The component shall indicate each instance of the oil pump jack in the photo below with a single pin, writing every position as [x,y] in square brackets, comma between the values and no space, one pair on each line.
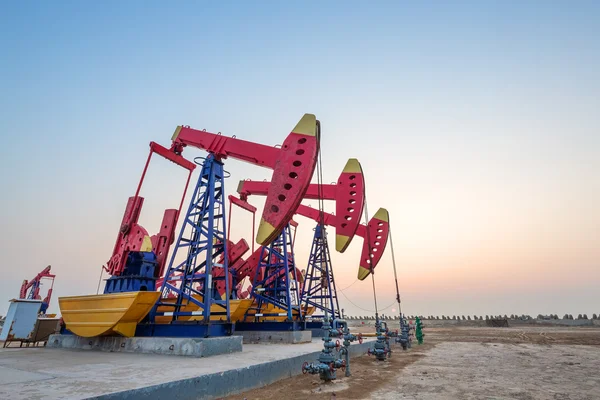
[349,196]
[31,289]
[319,290]
[187,302]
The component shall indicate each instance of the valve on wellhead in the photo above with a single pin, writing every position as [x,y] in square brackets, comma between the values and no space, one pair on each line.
[327,363]
[341,327]
[403,336]
[381,348]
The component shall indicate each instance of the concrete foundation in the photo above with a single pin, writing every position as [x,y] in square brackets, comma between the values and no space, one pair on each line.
[317,333]
[36,373]
[286,337]
[190,347]
[230,382]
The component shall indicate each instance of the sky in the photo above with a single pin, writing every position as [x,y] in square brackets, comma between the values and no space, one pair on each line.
[476,124]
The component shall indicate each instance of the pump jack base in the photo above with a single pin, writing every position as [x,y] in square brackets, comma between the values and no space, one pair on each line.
[270,326]
[185,329]
[175,329]
[276,337]
[106,314]
[316,327]
[289,332]
[169,346]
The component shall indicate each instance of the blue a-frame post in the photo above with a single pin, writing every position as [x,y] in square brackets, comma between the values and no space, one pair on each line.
[319,288]
[203,236]
[275,287]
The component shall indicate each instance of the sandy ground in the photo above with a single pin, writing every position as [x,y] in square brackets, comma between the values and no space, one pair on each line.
[466,363]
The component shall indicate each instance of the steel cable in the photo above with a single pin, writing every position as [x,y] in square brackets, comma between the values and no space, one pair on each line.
[364,309]
[347,287]
[395,273]
[370,259]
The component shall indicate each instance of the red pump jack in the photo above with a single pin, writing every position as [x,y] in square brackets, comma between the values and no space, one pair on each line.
[33,286]
[293,165]
[349,195]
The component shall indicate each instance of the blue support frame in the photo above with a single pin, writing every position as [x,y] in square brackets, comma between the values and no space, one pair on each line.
[33,288]
[319,288]
[203,236]
[275,287]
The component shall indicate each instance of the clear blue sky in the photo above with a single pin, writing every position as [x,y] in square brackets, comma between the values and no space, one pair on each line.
[476,123]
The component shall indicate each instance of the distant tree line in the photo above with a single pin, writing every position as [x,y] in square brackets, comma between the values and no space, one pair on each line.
[474,317]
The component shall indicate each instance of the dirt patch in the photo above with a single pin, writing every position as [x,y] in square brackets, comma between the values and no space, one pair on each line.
[464,362]
[368,375]
[517,335]
[463,370]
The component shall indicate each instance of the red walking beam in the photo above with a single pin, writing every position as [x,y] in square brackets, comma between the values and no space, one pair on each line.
[348,193]
[375,236]
[293,165]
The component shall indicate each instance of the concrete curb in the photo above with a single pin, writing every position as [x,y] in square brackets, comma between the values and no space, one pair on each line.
[227,382]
